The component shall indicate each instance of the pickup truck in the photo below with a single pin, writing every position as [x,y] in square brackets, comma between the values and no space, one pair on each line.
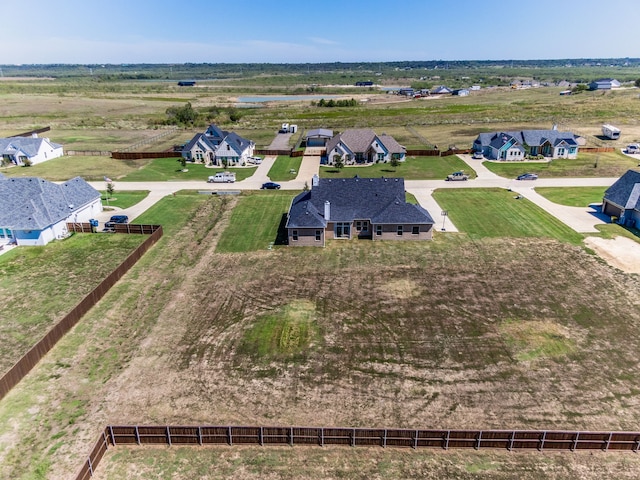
[222,177]
[457,176]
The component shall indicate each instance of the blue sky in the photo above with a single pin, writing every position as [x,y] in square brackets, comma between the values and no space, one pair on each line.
[247,31]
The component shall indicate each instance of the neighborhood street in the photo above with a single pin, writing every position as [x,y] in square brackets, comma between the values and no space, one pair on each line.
[580,219]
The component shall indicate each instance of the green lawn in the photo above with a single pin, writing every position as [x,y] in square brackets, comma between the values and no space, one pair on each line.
[39,285]
[493,212]
[164,169]
[92,168]
[610,164]
[281,169]
[414,168]
[123,199]
[573,196]
[256,222]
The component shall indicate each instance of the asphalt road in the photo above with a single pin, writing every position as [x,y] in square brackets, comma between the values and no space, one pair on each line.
[582,220]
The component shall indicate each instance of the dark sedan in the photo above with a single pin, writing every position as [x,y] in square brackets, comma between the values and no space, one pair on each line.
[270,186]
[527,176]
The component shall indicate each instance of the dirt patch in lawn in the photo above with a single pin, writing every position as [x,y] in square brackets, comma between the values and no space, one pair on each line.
[620,252]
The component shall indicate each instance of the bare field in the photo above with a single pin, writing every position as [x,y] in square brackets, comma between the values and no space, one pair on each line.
[454,333]
[333,463]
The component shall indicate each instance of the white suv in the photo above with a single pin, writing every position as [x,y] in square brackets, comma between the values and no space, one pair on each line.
[633,148]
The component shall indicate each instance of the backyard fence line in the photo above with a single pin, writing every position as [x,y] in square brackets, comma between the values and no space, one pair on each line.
[541,440]
[29,360]
[88,153]
[139,155]
[147,141]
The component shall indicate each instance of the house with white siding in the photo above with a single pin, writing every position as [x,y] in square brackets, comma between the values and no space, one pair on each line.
[218,147]
[34,211]
[519,145]
[31,150]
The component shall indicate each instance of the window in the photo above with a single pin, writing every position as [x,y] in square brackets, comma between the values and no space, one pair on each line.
[380,157]
[399,230]
[358,225]
[294,235]
[561,151]
[318,235]
[378,230]
[415,230]
[342,230]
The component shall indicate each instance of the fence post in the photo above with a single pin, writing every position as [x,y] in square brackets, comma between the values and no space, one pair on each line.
[353,437]
[478,440]
[322,436]
[575,442]
[544,436]
[606,448]
[637,447]
[262,436]
[384,439]
[230,436]
[90,466]
[415,440]
[291,436]
[137,435]
[113,438]
[200,436]
[168,436]
[513,436]
[446,444]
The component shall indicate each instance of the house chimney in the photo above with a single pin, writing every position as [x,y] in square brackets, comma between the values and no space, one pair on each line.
[327,210]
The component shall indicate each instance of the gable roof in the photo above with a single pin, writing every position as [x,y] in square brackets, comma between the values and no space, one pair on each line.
[391,145]
[238,143]
[30,146]
[625,192]
[319,132]
[359,140]
[380,200]
[31,203]
[532,138]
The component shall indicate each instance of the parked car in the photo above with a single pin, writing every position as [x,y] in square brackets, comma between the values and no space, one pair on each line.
[633,148]
[456,176]
[110,225]
[270,186]
[477,156]
[527,176]
[255,160]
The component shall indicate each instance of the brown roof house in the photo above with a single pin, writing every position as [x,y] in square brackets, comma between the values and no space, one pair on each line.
[362,146]
[345,208]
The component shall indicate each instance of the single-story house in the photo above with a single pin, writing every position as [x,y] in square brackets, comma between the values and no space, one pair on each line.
[518,145]
[345,208]
[604,84]
[362,146]
[218,147]
[17,150]
[461,92]
[622,199]
[318,137]
[34,211]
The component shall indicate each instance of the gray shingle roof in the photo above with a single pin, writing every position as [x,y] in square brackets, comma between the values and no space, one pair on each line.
[625,192]
[28,145]
[380,200]
[391,145]
[237,142]
[31,203]
[532,138]
[319,132]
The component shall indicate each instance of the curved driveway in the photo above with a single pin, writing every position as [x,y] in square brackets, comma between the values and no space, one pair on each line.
[580,219]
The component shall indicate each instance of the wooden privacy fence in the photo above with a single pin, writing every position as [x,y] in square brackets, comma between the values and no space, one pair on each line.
[16,373]
[139,155]
[133,228]
[555,440]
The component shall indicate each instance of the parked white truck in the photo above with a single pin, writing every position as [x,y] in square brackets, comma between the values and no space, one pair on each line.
[222,177]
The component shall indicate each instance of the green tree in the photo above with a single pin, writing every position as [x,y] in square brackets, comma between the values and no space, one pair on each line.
[183,163]
[111,188]
[637,83]
[394,162]
[337,161]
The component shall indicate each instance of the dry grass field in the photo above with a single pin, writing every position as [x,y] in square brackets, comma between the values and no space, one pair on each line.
[457,333]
